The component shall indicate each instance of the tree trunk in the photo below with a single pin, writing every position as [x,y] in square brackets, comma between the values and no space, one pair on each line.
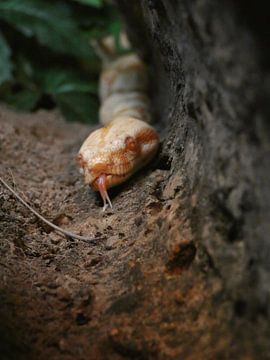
[209,71]
[180,268]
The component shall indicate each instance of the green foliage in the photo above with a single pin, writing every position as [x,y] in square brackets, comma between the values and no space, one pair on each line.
[46,59]
[5,63]
[51,24]
[97,3]
[56,82]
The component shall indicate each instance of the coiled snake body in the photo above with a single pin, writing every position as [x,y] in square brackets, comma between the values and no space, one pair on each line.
[111,154]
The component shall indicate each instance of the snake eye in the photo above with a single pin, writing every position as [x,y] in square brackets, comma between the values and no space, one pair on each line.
[131,144]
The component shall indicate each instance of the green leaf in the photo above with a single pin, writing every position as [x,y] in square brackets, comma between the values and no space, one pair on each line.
[24,71]
[73,95]
[52,24]
[24,100]
[78,107]
[5,63]
[60,81]
[95,3]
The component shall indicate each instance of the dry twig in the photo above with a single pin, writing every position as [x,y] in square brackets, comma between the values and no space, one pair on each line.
[55,227]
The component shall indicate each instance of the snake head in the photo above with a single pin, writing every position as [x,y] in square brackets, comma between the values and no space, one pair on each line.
[110,155]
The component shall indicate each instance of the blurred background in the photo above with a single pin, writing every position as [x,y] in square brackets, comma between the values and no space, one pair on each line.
[46,58]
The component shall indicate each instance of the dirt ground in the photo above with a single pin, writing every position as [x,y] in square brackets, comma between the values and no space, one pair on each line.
[140,290]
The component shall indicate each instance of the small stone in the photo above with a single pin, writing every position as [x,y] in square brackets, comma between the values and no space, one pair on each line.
[62,344]
[55,239]
[93,262]
[47,256]
[62,219]
[62,294]
[114,332]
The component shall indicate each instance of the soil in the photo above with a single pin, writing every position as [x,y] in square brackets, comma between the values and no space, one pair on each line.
[127,294]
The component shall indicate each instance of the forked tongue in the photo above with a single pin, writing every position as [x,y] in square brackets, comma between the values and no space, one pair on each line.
[101,184]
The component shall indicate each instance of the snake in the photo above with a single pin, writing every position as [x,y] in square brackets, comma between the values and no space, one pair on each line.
[127,141]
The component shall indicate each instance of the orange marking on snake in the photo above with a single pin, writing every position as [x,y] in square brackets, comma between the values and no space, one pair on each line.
[147,135]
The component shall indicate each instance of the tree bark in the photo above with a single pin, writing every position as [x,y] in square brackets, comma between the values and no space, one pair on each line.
[209,86]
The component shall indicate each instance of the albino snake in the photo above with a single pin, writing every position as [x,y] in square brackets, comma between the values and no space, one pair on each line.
[111,154]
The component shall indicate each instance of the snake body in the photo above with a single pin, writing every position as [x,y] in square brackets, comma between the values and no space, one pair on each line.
[126,142]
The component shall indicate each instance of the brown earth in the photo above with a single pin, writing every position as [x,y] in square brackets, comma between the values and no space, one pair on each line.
[125,293]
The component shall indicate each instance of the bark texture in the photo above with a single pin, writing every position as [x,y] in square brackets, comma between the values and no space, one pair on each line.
[180,268]
[209,80]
